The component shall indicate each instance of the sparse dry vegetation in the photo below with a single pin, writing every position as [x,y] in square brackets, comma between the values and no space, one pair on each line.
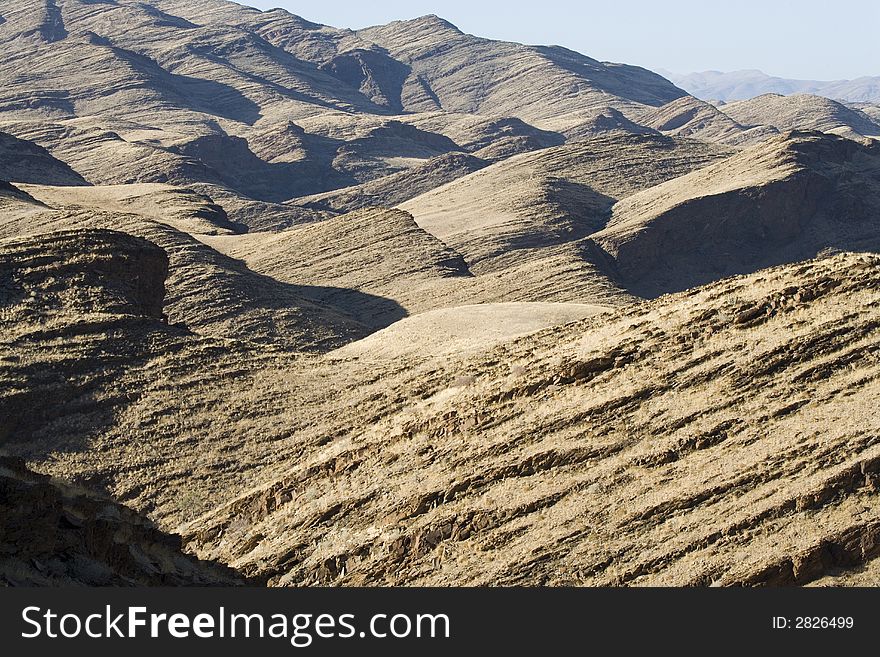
[352,308]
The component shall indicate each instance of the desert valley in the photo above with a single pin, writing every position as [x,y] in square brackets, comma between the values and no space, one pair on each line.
[285,304]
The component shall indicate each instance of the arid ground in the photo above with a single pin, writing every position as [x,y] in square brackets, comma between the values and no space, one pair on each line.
[294,305]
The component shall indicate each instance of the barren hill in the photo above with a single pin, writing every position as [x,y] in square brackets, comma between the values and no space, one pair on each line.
[504,449]
[785,200]
[396,188]
[529,214]
[207,291]
[25,162]
[266,107]
[636,449]
[803,112]
[872,110]
[689,117]
[383,307]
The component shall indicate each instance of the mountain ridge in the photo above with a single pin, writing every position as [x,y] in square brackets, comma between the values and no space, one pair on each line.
[407,306]
[746,84]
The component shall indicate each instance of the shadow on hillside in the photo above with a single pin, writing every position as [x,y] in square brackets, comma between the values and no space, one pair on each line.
[684,261]
[187,92]
[67,376]
[61,399]
[329,164]
[238,167]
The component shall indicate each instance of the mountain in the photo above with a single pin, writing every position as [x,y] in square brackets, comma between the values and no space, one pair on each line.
[743,85]
[469,74]
[544,426]
[234,102]
[288,304]
[575,184]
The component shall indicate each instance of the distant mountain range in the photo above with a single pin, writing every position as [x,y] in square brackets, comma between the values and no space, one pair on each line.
[743,85]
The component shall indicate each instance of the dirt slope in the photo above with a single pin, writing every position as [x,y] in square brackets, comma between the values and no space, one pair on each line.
[722,436]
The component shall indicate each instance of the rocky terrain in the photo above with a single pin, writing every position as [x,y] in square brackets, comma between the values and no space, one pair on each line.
[696,119]
[787,199]
[58,535]
[287,304]
[803,111]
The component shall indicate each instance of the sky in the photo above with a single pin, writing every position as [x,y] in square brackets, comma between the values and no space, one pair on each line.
[806,39]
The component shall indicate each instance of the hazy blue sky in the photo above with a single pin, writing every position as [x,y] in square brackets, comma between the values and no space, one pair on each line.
[791,38]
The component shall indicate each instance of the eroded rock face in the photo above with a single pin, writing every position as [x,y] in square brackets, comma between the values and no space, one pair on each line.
[54,534]
[88,271]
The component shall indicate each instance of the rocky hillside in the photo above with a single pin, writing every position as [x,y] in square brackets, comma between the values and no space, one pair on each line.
[804,112]
[695,119]
[59,535]
[725,436]
[785,200]
[407,306]
[534,209]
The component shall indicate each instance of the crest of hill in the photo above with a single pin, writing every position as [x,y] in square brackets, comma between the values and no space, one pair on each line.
[784,200]
[179,207]
[605,122]
[10,194]
[802,112]
[873,111]
[115,274]
[374,253]
[206,291]
[477,134]
[695,119]
[398,187]
[550,197]
[546,86]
